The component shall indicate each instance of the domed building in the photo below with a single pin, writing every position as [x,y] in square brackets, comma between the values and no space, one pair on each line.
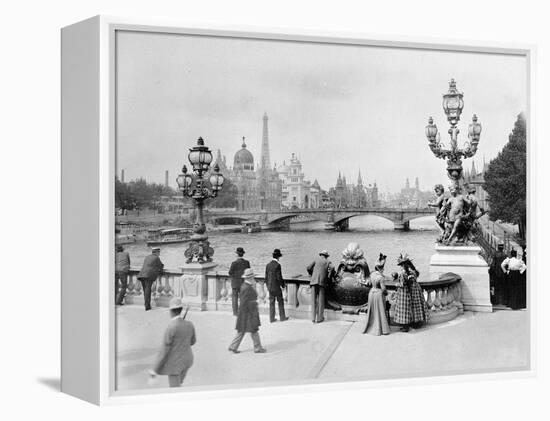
[244,178]
[257,189]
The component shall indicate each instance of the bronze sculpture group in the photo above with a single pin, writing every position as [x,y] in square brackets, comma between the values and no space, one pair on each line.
[456,215]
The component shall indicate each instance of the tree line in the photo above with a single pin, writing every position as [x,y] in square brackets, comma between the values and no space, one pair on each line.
[139,194]
[506,180]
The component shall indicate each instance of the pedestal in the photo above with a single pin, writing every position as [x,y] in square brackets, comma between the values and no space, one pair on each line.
[466,262]
[192,287]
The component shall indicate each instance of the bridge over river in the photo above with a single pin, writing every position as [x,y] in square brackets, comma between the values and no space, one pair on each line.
[336,219]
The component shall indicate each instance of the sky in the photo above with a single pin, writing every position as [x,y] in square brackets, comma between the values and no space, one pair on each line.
[340,108]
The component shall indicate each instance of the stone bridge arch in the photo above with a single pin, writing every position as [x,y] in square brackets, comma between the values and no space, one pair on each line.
[400,220]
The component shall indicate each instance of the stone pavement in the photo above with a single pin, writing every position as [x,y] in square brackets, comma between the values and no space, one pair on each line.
[298,350]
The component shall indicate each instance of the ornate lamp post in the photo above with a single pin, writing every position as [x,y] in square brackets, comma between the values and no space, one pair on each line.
[453,105]
[193,186]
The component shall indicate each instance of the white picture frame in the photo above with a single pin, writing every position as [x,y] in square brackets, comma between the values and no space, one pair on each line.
[88,171]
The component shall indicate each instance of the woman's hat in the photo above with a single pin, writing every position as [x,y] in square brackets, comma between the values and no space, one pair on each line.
[175,303]
[403,258]
[248,274]
[277,253]
[324,253]
[239,250]
[155,249]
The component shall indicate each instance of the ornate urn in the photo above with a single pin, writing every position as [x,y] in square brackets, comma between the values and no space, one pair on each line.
[347,290]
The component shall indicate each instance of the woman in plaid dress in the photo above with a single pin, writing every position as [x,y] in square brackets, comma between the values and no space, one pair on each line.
[410,306]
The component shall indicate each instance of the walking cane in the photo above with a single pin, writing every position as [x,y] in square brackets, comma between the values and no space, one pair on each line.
[185,314]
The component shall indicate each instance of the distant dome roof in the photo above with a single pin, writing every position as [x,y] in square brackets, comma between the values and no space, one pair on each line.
[243,156]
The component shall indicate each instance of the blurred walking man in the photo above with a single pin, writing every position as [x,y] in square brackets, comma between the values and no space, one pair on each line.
[236,271]
[275,282]
[176,356]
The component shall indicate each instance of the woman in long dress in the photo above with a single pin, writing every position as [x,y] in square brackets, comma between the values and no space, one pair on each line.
[515,269]
[377,322]
[410,308]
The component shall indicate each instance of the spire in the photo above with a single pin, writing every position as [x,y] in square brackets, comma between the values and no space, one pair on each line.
[407,184]
[265,161]
[244,144]
[473,172]
[359,179]
[416,184]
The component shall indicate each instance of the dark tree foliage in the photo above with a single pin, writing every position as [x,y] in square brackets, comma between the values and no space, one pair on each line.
[506,179]
[138,194]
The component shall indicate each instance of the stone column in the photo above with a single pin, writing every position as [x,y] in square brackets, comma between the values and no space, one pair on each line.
[192,287]
[466,262]
[401,226]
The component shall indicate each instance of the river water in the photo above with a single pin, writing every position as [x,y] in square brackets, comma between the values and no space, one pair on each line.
[304,241]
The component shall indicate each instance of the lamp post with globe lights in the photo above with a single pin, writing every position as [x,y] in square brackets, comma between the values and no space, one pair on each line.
[453,104]
[194,186]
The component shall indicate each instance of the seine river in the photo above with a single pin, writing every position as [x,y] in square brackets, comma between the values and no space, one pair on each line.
[304,241]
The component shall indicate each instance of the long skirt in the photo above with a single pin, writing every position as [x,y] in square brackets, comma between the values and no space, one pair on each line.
[410,306]
[377,322]
[518,290]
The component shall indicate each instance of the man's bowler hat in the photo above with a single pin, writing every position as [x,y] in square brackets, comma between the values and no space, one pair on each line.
[277,253]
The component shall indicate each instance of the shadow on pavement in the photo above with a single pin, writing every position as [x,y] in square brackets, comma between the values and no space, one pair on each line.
[53,383]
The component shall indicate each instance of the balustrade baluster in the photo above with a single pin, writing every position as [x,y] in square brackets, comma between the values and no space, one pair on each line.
[229,290]
[260,289]
[450,296]
[168,286]
[159,288]
[224,293]
[138,287]
[131,285]
[437,300]
[444,301]
[429,301]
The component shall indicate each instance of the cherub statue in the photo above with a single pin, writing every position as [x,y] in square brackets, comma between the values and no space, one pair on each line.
[440,211]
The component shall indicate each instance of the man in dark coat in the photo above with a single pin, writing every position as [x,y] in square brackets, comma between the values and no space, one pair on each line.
[275,282]
[498,279]
[122,267]
[236,271]
[320,271]
[152,268]
[248,318]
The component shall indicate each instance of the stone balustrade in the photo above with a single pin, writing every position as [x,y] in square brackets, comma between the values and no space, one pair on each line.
[444,298]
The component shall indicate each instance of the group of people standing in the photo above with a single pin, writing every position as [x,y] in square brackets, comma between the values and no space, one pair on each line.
[508,278]
[176,357]
[150,271]
[410,308]
[245,298]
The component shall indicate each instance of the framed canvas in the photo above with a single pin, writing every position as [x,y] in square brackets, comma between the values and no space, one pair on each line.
[243,210]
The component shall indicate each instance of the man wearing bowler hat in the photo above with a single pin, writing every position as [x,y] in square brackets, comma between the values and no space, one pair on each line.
[151,269]
[248,319]
[236,271]
[320,270]
[175,356]
[275,282]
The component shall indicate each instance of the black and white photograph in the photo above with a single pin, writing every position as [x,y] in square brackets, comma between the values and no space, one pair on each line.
[315,211]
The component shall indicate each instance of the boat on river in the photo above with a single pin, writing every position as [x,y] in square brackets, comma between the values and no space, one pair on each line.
[250,226]
[160,236]
[124,233]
